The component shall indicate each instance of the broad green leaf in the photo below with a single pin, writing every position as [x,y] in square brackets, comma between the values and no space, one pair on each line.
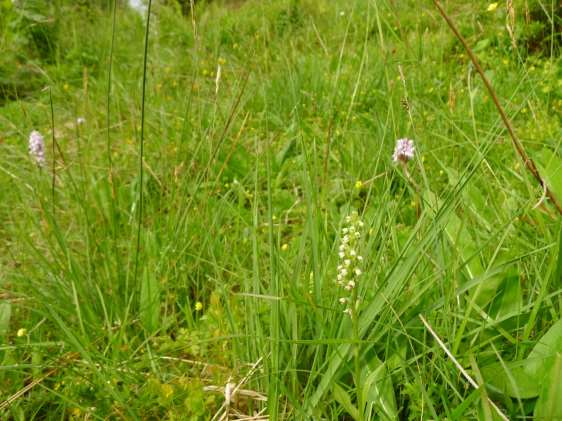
[35,17]
[5,315]
[482,45]
[524,378]
[551,170]
[509,298]
[343,398]
[282,155]
[378,392]
[549,404]
[488,414]
[542,355]
[150,301]
[558,272]
[511,379]
[459,412]
[464,244]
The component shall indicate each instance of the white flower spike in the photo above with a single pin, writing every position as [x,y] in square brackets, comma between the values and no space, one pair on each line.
[348,269]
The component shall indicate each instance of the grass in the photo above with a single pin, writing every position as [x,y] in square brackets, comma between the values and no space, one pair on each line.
[177,257]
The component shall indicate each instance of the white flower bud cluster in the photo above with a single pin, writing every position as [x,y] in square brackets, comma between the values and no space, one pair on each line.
[349,268]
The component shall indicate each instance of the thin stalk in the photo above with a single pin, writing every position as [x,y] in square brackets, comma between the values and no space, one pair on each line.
[274,291]
[54,146]
[141,158]
[114,225]
[108,113]
[356,355]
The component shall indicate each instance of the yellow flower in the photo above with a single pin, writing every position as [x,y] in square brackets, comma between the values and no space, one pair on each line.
[284,247]
[167,390]
[198,306]
[22,332]
[492,6]
[358,184]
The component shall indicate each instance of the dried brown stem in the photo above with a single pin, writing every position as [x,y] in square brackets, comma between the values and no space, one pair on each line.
[519,148]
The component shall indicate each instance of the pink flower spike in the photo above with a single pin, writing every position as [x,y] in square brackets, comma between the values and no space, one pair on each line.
[37,148]
[404,150]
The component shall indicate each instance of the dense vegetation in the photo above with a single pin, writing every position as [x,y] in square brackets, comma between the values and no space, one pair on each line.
[177,255]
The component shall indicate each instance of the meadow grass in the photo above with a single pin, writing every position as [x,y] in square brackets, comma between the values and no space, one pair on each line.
[177,256]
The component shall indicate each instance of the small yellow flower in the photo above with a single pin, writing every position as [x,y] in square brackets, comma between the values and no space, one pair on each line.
[221,61]
[167,390]
[198,306]
[22,332]
[358,184]
[492,6]
[66,87]
[284,247]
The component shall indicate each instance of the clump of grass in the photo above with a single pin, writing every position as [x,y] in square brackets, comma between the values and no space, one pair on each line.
[243,181]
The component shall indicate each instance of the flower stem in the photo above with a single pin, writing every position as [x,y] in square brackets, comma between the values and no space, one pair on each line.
[356,341]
